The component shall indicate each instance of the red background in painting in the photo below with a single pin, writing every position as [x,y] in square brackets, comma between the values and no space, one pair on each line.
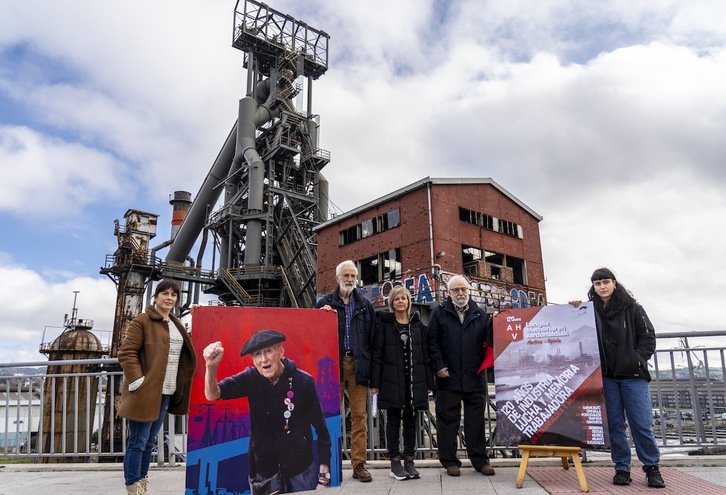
[311,334]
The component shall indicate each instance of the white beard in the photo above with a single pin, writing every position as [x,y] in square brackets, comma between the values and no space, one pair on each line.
[345,290]
[460,301]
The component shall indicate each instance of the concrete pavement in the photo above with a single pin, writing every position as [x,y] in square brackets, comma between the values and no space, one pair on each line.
[102,479]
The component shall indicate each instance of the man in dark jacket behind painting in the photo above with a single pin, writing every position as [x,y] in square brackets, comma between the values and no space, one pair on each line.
[356,331]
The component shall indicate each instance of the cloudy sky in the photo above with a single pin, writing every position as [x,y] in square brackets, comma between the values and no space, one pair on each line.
[607,118]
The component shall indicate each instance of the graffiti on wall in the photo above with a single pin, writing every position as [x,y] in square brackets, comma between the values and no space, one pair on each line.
[426,289]
[422,287]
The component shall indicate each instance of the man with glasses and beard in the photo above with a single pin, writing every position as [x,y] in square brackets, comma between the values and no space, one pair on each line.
[458,330]
[356,331]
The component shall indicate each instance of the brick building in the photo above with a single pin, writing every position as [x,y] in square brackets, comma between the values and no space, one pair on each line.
[425,232]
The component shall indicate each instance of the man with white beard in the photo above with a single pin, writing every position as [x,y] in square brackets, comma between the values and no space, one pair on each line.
[356,331]
[457,332]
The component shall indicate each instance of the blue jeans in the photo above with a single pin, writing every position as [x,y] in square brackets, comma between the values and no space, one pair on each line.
[141,441]
[630,397]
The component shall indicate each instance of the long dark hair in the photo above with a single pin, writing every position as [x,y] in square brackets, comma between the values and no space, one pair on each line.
[621,296]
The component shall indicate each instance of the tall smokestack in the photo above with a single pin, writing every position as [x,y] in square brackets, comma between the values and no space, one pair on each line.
[180,201]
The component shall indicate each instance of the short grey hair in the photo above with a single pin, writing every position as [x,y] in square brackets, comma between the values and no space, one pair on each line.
[343,264]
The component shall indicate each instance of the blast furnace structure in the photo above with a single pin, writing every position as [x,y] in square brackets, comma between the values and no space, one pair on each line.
[268,170]
[268,175]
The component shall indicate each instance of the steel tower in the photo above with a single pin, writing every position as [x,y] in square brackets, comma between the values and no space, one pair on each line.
[268,169]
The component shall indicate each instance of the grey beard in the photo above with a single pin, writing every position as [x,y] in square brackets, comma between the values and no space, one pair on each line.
[460,306]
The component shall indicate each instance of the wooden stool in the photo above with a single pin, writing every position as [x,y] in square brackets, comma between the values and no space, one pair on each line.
[551,451]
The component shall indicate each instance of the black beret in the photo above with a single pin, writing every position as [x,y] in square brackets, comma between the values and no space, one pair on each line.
[260,340]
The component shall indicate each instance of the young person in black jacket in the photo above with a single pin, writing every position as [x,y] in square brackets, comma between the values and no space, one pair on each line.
[627,341]
[401,376]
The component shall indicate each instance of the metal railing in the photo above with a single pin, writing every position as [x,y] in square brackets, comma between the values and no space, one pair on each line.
[53,416]
[57,415]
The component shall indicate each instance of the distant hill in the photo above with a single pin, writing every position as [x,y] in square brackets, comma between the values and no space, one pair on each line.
[22,371]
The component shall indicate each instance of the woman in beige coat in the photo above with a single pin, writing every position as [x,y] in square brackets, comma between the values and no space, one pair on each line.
[158,362]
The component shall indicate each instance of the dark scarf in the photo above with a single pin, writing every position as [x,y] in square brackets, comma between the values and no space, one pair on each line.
[614,306]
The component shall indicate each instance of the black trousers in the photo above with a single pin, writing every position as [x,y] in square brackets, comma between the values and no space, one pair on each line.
[394,418]
[448,419]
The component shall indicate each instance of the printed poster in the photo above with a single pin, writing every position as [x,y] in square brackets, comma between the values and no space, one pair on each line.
[219,431]
[548,380]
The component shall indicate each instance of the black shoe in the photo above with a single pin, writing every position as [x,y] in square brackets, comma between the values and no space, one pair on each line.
[655,480]
[410,468]
[621,477]
[397,471]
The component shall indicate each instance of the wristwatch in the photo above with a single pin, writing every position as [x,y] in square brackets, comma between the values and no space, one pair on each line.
[324,479]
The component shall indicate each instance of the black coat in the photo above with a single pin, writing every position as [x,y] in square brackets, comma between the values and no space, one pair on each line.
[459,347]
[272,445]
[627,339]
[387,366]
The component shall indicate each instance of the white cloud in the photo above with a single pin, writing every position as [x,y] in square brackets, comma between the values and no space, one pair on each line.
[606,118]
[32,309]
[45,176]
[659,246]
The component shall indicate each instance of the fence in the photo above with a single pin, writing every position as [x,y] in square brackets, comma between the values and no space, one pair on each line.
[60,416]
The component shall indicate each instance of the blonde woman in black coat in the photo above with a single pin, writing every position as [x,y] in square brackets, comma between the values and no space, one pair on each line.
[402,378]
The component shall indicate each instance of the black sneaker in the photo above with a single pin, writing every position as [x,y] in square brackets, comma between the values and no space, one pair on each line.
[655,480]
[410,468]
[397,471]
[621,477]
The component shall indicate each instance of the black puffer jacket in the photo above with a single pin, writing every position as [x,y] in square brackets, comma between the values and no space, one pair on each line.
[387,366]
[626,337]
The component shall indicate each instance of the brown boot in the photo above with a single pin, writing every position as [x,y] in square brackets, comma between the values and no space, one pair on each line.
[453,471]
[134,489]
[360,473]
[487,470]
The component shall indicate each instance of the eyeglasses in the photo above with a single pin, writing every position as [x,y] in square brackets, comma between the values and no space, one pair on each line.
[458,289]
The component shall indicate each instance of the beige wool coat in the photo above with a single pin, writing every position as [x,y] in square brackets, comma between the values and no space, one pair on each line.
[145,352]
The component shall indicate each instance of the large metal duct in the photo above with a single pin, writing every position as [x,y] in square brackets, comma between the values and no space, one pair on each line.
[206,199]
[246,147]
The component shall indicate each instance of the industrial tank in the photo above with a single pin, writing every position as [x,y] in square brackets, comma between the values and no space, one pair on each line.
[70,392]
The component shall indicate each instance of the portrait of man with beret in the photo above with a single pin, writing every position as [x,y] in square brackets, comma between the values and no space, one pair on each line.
[284,407]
